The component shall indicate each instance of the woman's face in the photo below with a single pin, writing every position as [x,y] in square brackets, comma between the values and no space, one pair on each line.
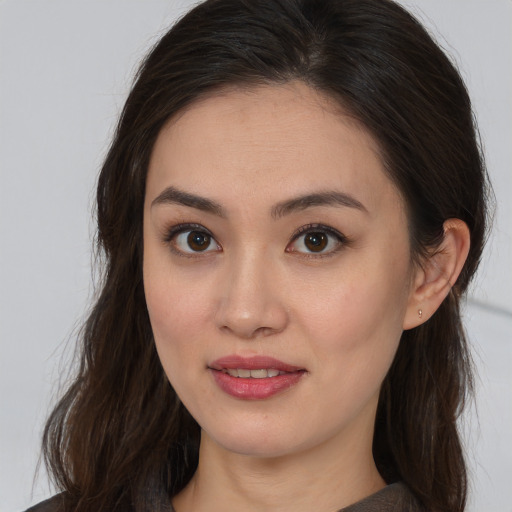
[277,269]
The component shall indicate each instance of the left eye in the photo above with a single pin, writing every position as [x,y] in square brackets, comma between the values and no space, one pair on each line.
[316,241]
[194,241]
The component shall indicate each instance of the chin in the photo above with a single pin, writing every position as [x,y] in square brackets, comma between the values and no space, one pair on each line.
[252,442]
[262,449]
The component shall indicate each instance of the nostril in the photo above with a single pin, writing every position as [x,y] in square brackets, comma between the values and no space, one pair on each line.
[265,331]
[249,333]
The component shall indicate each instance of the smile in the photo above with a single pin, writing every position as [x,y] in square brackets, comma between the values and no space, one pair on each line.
[254,378]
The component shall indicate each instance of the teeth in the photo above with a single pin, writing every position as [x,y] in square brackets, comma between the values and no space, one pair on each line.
[258,374]
[252,374]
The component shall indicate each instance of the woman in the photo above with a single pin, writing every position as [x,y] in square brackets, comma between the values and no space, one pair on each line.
[291,211]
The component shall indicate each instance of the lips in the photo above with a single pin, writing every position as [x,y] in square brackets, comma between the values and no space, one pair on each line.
[253,363]
[254,378]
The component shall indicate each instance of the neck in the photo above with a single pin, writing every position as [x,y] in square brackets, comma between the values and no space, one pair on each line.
[325,478]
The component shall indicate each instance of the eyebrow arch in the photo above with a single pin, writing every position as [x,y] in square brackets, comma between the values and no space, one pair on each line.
[328,198]
[172,195]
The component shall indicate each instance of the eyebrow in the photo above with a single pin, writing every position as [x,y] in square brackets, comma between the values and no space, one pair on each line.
[172,195]
[327,198]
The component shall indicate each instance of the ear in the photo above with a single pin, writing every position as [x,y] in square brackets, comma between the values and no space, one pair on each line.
[433,281]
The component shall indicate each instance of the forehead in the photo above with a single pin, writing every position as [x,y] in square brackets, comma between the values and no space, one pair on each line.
[269,142]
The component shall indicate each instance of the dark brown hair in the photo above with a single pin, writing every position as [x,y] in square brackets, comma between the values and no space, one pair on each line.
[120,435]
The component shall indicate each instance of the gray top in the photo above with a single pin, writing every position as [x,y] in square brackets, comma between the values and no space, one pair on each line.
[392,498]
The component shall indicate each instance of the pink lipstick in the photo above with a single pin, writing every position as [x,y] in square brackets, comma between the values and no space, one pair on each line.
[254,378]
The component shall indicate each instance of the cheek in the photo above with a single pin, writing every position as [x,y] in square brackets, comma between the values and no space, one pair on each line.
[359,316]
[178,321]
[177,309]
[354,335]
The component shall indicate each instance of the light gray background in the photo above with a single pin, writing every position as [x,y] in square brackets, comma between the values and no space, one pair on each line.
[65,69]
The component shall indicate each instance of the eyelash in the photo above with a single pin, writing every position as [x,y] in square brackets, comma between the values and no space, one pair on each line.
[179,229]
[341,239]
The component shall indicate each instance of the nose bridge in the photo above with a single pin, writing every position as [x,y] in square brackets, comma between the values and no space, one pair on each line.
[250,305]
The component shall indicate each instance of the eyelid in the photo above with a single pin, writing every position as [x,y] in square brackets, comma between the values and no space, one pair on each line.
[314,228]
[177,229]
[172,231]
[170,234]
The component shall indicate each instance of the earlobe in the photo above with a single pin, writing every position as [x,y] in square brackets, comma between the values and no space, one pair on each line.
[438,273]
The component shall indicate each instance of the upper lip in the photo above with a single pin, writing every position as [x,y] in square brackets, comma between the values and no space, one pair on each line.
[252,363]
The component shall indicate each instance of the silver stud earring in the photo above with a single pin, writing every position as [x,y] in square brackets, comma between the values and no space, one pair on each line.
[420,313]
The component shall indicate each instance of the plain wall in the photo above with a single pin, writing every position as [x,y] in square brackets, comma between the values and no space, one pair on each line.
[65,69]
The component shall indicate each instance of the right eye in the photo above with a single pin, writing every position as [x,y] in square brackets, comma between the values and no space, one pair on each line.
[189,240]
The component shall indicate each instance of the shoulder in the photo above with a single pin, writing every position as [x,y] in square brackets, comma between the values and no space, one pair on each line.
[63,502]
[393,498]
[54,504]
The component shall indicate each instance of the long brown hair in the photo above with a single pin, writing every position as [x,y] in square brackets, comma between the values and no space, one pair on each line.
[120,435]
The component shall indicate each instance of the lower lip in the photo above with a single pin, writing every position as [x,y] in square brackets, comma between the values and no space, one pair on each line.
[255,389]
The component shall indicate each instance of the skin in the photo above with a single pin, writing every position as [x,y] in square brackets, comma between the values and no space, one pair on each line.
[257,290]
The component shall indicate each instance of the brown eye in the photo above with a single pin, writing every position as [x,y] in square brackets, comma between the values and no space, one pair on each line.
[192,241]
[316,242]
[198,241]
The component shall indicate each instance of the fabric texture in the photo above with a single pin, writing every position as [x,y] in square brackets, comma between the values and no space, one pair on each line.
[54,504]
[392,498]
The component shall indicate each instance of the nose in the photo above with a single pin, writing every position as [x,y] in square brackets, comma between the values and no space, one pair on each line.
[250,305]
